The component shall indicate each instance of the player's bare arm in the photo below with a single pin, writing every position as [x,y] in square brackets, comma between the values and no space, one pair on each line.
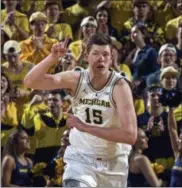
[127,132]
[38,78]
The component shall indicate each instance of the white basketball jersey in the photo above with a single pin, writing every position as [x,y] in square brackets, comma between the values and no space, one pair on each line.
[96,108]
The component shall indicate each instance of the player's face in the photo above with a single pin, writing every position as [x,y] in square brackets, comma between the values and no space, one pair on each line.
[100,58]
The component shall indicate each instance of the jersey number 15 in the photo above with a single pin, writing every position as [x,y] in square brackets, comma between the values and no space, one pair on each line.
[96,115]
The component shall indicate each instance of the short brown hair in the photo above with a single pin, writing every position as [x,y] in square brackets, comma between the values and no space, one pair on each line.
[98,39]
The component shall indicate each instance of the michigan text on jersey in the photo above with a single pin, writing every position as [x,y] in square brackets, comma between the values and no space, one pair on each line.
[95,102]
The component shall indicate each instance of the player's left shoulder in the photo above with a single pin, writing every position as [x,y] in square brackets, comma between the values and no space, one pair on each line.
[122,79]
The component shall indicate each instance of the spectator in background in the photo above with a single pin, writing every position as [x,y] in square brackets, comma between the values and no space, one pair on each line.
[14,22]
[166,57]
[36,105]
[141,173]
[67,62]
[88,27]
[49,127]
[143,62]
[9,120]
[16,70]
[55,28]
[169,79]
[75,13]
[38,45]
[104,26]
[141,10]
[15,165]
[144,57]
[119,11]
[172,25]
[154,122]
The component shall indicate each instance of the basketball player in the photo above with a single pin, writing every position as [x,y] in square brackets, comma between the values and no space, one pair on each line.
[103,126]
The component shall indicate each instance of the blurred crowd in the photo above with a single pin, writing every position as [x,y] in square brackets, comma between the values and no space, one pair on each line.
[147,50]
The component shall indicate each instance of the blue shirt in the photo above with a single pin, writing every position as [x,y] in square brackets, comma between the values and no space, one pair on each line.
[20,174]
[145,63]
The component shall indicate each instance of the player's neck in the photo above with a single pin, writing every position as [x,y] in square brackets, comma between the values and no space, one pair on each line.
[99,81]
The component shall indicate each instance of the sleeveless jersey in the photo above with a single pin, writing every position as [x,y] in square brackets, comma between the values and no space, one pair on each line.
[96,108]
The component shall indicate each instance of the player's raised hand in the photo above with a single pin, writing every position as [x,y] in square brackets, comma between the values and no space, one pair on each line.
[59,49]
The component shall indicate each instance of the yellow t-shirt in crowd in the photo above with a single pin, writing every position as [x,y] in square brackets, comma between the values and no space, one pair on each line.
[178,113]
[139,106]
[16,79]
[29,52]
[162,13]
[25,5]
[20,19]
[9,122]
[48,130]
[120,12]
[124,68]
[75,48]
[62,30]
[172,27]
[27,122]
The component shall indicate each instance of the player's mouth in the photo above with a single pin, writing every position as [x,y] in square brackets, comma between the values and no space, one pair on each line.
[100,67]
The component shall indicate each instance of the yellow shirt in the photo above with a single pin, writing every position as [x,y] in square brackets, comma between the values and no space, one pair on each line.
[120,12]
[75,13]
[163,12]
[48,130]
[178,113]
[172,27]
[61,31]
[21,20]
[25,5]
[27,121]
[73,16]
[9,122]
[29,53]
[124,68]
[139,106]
[17,79]
[75,48]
